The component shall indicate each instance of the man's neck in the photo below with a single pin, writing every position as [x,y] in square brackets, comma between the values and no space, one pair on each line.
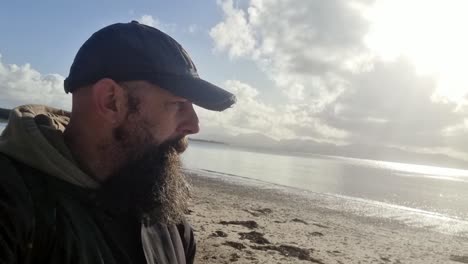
[90,152]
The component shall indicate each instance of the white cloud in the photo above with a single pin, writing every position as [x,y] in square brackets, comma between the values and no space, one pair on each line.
[252,115]
[335,86]
[193,28]
[235,33]
[156,23]
[248,116]
[306,47]
[150,21]
[21,84]
[297,42]
[400,100]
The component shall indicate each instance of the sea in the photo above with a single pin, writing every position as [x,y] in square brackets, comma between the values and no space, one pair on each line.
[416,195]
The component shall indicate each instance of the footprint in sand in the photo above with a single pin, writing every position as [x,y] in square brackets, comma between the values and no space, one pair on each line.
[319,225]
[291,251]
[461,259]
[250,224]
[335,252]
[317,234]
[218,233]
[235,245]
[259,212]
[280,222]
[297,220]
[254,237]
[234,257]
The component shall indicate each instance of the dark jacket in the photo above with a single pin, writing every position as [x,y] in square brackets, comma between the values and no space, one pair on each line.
[46,216]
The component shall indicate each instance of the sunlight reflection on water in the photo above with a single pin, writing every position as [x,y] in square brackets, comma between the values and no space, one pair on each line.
[427,188]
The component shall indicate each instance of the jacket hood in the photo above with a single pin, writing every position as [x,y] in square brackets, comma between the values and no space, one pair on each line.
[34,136]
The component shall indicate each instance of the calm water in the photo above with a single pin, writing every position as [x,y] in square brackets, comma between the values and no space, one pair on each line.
[394,189]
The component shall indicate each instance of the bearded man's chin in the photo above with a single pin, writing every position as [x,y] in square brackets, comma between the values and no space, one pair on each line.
[179,144]
[151,183]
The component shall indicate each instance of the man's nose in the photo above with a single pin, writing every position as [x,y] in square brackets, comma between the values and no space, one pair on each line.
[190,121]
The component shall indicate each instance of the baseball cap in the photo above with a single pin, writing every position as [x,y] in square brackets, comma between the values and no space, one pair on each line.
[133,51]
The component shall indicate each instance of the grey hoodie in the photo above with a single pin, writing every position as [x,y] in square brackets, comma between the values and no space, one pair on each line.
[34,136]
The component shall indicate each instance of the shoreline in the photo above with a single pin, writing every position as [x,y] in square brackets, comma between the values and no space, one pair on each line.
[408,216]
[247,224]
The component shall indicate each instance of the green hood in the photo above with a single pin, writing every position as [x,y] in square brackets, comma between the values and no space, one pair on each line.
[34,136]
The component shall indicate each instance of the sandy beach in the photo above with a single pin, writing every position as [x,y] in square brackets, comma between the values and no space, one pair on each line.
[245,224]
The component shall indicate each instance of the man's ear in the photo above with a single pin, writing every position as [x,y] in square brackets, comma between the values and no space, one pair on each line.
[109,100]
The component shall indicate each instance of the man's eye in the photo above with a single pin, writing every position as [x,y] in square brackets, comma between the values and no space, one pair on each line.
[177,104]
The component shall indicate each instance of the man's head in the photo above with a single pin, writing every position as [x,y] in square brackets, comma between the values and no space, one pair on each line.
[133,93]
[131,52]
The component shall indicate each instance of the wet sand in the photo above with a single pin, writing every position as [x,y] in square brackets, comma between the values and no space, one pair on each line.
[245,224]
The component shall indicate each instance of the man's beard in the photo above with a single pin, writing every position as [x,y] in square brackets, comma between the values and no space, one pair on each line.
[150,183]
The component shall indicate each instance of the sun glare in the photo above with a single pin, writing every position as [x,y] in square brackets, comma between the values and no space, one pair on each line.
[430,33]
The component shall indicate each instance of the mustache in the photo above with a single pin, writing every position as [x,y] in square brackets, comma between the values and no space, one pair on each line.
[177,145]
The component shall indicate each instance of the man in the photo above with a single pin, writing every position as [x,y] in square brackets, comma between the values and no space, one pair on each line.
[102,184]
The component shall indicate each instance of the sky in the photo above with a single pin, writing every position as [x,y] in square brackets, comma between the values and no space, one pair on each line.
[383,74]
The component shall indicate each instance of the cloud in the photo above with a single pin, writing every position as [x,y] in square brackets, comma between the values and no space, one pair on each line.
[392,105]
[249,115]
[193,28]
[252,115]
[235,34]
[156,23]
[21,84]
[150,21]
[303,46]
[334,86]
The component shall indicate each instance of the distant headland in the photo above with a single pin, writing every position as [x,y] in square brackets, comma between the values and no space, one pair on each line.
[4,113]
[207,141]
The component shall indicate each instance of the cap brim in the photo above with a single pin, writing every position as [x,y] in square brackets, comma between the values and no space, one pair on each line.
[200,92]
